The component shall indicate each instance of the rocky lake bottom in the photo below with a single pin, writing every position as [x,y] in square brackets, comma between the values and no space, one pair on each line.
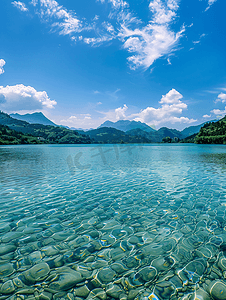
[113,222]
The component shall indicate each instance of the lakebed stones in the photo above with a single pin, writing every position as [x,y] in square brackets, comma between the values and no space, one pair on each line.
[147,274]
[200,294]
[7,287]
[217,290]
[6,248]
[106,275]
[114,291]
[37,273]
[6,270]
[107,249]
[82,291]
[64,282]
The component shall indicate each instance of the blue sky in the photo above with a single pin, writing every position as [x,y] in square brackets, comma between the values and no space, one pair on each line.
[81,63]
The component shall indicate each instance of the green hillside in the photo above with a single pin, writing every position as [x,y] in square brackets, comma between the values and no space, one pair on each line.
[109,135]
[12,137]
[158,135]
[212,133]
[46,133]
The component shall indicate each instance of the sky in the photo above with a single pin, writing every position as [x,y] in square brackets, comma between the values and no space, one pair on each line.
[161,62]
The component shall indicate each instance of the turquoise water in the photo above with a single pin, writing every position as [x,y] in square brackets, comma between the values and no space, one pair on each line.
[113,222]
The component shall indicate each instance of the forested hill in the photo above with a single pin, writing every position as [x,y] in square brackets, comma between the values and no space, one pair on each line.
[212,133]
[45,133]
[12,137]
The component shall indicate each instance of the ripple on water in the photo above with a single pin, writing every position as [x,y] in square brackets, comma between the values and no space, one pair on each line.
[149,229]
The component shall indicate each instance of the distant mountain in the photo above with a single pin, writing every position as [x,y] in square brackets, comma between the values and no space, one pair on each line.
[188,131]
[125,125]
[46,133]
[35,118]
[108,135]
[157,135]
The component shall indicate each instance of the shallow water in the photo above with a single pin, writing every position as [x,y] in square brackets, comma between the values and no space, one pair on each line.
[113,222]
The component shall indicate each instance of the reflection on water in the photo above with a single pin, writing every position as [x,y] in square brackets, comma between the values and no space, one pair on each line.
[113,222]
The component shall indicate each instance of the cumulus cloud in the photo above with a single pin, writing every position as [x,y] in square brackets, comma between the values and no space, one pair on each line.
[171,97]
[115,115]
[80,121]
[120,112]
[219,112]
[21,97]
[206,116]
[20,5]
[2,63]
[155,39]
[169,112]
[171,107]
[221,98]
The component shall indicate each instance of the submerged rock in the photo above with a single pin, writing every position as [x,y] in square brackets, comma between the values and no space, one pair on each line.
[217,290]
[37,273]
[7,287]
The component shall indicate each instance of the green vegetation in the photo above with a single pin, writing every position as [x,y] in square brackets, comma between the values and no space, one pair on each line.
[109,135]
[36,132]
[189,139]
[168,139]
[212,133]
[11,137]
[13,131]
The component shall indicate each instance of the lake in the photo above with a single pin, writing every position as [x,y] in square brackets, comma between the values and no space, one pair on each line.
[113,222]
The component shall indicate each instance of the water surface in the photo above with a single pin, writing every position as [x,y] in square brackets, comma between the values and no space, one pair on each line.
[113,222]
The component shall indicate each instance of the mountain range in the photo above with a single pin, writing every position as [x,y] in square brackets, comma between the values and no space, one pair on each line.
[122,131]
[35,118]
[132,128]
[126,125]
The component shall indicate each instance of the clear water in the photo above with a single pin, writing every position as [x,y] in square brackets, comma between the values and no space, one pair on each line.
[113,222]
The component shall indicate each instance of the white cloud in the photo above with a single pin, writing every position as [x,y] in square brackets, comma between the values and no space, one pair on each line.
[219,112]
[21,97]
[2,63]
[171,107]
[221,98]
[171,97]
[145,43]
[206,116]
[65,21]
[210,2]
[20,5]
[155,39]
[114,114]
[80,121]
[98,41]
[120,112]
[116,3]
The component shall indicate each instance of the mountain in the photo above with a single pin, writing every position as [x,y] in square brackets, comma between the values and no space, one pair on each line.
[188,131]
[108,135]
[157,135]
[126,125]
[47,133]
[212,133]
[35,118]
[12,137]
